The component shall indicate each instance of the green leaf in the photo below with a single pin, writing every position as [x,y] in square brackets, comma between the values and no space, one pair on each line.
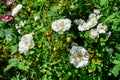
[17,18]
[102,43]
[43,70]
[12,63]
[41,0]
[24,78]
[44,66]
[50,78]
[1,34]
[55,8]
[93,66]
[10,66]
[117,56]
[48,72]
[86,35]
[44,77]
[14,49]
[33,71]
[118,29]
[103,2]
[23,66]
[8,31]
[17,77]
[9,37]
[117,46]
[72,6]
[109,18]
[115,70]
[116,62]
[43,30]
[13,60]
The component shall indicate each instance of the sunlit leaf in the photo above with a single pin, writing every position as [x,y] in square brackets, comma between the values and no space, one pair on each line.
[14,49]
[115,70]
[44,77]
[10,66]
[103,2]
[1,34]
[23,66]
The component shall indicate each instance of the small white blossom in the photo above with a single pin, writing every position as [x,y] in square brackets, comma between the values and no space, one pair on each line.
[115,8]
[87,26]
[79,21]
[61,25]
[79,56]
[19,31]
[17,26]
[96,11]
[92,22]
[109,34]
[36,18]
[74,44]
[16,9]
[93,34]
[26,43]
[109,50]
[23,47]
[98,16]
[81,27]
[101,28]
[22,23]
[92,15]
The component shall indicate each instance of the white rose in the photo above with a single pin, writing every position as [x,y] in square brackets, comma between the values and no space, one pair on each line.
[16,9]
[101,28]
[93,33]
[61,25]
[26,43]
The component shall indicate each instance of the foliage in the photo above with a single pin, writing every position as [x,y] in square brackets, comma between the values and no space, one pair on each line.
[49,59]
[116,68]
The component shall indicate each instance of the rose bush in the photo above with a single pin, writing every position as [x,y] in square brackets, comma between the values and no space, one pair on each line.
[65,40]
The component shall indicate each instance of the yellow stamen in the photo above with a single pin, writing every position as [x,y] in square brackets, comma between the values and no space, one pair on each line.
[62,25]
[93,22]
[93,61]
[102,27]
[79,56]
[90,70]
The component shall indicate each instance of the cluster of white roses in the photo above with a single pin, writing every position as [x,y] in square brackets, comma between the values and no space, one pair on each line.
[27,41]
[90,23]
[79,56]
[62,25]
[101,28]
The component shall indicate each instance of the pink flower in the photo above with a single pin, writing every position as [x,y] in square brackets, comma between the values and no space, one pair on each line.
[9,2]
[7,17]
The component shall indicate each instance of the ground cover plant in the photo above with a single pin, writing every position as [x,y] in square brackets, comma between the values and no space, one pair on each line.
[59,40]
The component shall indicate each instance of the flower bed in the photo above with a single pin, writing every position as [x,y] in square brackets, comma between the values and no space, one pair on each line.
[59,40]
